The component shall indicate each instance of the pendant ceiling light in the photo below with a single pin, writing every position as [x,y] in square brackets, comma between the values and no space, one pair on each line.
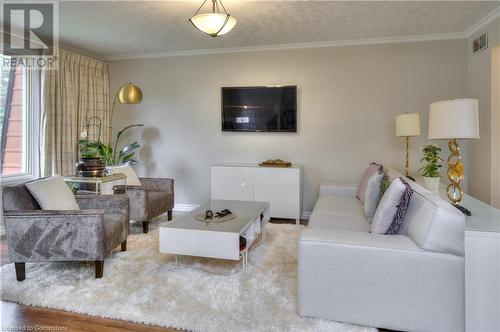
[214,23]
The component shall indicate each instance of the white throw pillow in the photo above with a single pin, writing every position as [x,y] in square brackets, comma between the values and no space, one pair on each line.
[53,194]
[372,195]
[132,178]
[388,207]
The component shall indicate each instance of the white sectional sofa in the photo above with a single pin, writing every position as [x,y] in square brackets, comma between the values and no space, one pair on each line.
[413,281]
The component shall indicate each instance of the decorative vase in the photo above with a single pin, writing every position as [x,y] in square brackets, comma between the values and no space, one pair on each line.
[432,183]
[90,167]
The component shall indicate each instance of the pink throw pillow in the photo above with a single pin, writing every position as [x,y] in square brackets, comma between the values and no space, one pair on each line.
[372,169]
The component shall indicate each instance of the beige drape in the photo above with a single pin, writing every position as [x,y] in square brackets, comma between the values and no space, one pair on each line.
[75,92]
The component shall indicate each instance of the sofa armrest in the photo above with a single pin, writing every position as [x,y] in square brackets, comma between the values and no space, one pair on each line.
[384,281]
[338,188]
[37,235]
[158,184]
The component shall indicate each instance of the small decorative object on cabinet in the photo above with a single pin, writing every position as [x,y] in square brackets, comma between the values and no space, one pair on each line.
[430,170]
[408,125]
[275,163]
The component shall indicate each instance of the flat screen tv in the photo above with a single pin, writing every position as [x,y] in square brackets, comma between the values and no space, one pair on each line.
[259,108]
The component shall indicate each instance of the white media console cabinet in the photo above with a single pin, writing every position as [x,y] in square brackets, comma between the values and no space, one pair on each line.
[281,187]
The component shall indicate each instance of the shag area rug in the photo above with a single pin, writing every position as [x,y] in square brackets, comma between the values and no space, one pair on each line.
[197,294]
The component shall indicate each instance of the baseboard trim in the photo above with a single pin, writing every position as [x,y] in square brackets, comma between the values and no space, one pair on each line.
[185,207]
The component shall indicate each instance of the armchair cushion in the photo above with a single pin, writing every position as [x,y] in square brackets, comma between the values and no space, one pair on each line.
[108,203]
[132,178]
[52,193]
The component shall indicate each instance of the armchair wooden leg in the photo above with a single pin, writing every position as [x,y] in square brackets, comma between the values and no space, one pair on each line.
[145,226]
[99,268]
[124,245]
[20,271]
[169,214]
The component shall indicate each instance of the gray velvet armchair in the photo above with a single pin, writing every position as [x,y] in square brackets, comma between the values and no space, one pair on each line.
[89,234]
[152,198]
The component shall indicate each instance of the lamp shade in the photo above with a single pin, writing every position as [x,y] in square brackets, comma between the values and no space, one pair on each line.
[129,94]
[454,119]
[408,124]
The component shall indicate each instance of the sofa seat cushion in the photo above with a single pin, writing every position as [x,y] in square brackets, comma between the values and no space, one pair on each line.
[338,223]
[340,206]
[115,230]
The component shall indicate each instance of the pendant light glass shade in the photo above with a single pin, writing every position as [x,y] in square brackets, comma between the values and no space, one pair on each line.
[215,23]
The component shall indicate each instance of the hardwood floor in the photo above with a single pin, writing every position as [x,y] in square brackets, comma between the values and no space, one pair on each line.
[17,317]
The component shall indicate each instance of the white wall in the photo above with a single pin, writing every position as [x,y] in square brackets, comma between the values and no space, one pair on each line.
[348,98]
[479,86]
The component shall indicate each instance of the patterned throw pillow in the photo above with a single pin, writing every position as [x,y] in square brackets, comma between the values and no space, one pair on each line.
[392,208]
[372,169]
[404,202]
[384,184]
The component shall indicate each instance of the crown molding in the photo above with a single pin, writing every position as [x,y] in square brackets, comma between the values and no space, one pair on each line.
[279,47]
[495,13]
[352,42]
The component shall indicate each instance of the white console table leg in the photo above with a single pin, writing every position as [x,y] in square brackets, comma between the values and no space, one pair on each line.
[297,221]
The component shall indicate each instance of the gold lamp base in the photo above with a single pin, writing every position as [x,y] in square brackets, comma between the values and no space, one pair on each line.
[455,172]
[455,175]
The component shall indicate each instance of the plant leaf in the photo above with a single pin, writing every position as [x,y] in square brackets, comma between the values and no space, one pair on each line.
[127,128]
[130,148]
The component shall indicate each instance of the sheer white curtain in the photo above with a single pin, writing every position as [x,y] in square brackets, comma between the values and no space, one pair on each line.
[75,92]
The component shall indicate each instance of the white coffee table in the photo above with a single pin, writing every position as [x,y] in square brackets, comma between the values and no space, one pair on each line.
[187,236]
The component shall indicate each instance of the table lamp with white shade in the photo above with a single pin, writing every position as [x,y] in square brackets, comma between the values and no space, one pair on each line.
[453,120]
[407,125]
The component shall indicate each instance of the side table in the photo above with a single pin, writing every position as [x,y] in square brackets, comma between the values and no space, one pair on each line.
[100,185]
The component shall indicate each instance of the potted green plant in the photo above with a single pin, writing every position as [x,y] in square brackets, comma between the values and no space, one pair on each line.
[110,154]
[432,164]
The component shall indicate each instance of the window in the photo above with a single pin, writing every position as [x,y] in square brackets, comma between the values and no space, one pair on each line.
[19,123]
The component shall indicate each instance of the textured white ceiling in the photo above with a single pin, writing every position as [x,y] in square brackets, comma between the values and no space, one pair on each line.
[110,28]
